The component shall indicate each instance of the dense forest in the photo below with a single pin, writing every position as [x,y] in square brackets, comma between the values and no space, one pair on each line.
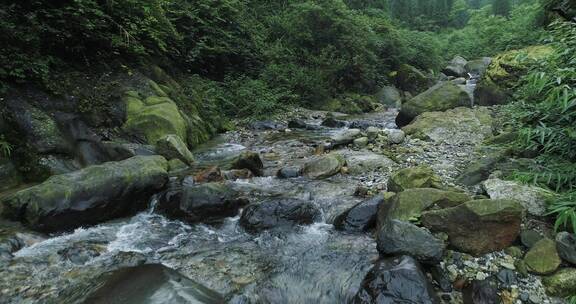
[86,84]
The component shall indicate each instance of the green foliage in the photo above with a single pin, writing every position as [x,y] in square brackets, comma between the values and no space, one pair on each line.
[572,299]
[486,34]
[564,208]
[501,7]
[5,147]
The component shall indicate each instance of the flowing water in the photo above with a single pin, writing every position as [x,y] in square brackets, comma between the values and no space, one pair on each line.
[307,264]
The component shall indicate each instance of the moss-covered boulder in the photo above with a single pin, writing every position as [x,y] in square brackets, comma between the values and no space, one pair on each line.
[534,199]
[480,168]
[478,66]
[504,71]
[562,283]
[441,97]
[414,177]
[479,226]
[152,120]
[543,257]
[411,79]
[461,125]
[409,204]
[88,196]
[171,146]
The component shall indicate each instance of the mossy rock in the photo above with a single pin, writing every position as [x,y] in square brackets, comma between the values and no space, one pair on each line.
[154,100]
[562,283]
[460,125]
[409,204]
[157,89]
[414,177]
[543,257]
[153,122]
[441,97]
[172,146]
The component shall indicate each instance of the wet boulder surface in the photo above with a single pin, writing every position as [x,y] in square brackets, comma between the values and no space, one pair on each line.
[149,284]
[361,217]
[396,280]
[89,196]
[278,213]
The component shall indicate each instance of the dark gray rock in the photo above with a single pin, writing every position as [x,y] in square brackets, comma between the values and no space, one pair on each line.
[441,278]
[361,217]
[332,122]
[396,280]
[149,284]
[289,172]
[530,237]
[207,202]
[278,213]
[481,292]
[397,237]
[566,246]
[249,160]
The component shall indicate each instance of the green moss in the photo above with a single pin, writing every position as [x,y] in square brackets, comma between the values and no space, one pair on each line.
[155,100]
[414,177]
[506,68]
[441,97]
[157,89]
[133,105]
[156,121]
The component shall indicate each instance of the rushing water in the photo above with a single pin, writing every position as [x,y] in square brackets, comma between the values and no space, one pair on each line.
[308,264]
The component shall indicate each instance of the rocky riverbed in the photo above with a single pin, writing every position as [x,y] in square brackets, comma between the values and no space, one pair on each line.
[276,242]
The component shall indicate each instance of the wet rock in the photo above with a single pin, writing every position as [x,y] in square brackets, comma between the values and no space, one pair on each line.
[441,97]
[171,146]
[529,238]
[441,278]
[396,280]
[481,292]
[361,217]
[176,165]
[278,213]
[212,174]
[459,125]
[332,122]
[456,67]
[193,203]
[397,238]
[566,246]
[533,198]
[297,124]
[562,283]
[396,137]
[249,160]
[237,174]
[323,167]
[345,137]
[148,284]
[479,226]
[414,177]
[289,172]
[89,196]
[507,278]
[409,204]
[360,142]
[459,81]
[543,257]
[9,176]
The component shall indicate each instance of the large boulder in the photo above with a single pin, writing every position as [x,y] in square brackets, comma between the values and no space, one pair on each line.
[278,213]
[479,226]
[504,71]
[206,202]
[456,67]
[562,283]
[153,118]
[413,177]
[543,257]
[533,198]
[396,280]
[323,167]
[460,125]
[441,97]
[89,196]
[412,80]
[361,217]
[478,66]
[480,168]
[398,237]
[361,162]
[409,204]
[148,284]
[566,246]
[171,146]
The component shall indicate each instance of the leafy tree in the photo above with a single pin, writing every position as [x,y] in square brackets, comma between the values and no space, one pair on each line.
[501,7]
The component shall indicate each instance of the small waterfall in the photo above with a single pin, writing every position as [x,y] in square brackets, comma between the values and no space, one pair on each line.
[471,83]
